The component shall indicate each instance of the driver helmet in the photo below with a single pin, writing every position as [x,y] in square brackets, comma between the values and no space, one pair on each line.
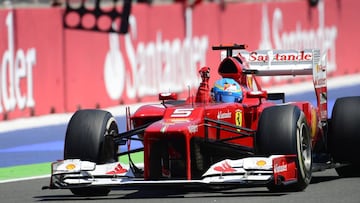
[227,90]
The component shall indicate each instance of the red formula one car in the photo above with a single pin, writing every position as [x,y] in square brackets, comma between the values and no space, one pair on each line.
[232,135]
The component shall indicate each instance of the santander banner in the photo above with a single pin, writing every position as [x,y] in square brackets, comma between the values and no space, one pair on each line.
[31,72]
[49,69]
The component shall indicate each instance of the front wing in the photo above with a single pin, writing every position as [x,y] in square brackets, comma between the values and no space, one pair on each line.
[251,171]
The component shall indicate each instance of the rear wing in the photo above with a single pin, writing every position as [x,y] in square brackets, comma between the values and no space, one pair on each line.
[281,62]
[285,62]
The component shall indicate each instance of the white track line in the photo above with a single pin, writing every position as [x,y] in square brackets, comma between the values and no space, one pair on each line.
[332,83]
[139,165]
[24,179]
[55,119]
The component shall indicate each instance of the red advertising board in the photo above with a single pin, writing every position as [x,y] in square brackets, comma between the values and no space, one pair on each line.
[47,68]
[31,74]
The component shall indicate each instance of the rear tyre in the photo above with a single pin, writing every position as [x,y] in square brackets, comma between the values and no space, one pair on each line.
[88,137]
[344,137]
[283,130]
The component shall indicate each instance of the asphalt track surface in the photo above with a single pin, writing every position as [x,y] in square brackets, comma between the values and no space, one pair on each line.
[325,187]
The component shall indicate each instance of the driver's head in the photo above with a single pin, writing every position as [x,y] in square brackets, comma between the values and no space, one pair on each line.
[227,90]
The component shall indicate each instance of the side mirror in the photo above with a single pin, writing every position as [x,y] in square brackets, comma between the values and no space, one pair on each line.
[167,96]
[257,94]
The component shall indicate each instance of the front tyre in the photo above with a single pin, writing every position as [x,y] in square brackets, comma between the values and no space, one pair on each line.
[89,138]
[283,130]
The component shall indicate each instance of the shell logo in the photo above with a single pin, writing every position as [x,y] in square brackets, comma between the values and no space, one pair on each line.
[261,163]
[70,166]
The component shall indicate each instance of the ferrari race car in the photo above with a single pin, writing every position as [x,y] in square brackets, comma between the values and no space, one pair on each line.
[218,138]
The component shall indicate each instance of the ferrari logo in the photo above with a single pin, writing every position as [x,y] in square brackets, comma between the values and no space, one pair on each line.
[249,81]
[238,118]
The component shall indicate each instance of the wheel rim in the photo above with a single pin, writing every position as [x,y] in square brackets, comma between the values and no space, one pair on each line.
[305,153]
[110,148]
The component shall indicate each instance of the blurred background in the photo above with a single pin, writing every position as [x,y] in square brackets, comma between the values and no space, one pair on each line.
[58,56]
[61,56]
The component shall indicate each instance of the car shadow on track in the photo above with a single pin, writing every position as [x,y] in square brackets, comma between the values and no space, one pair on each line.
[200,194]
[320,179]
[163,194]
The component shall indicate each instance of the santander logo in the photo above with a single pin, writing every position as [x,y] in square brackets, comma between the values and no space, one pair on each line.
[16,69]
[301,56]
[155,66]
[323,37]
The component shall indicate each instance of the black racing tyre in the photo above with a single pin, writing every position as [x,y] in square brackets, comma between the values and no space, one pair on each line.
[88,138]
[283,130]
[344,137]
